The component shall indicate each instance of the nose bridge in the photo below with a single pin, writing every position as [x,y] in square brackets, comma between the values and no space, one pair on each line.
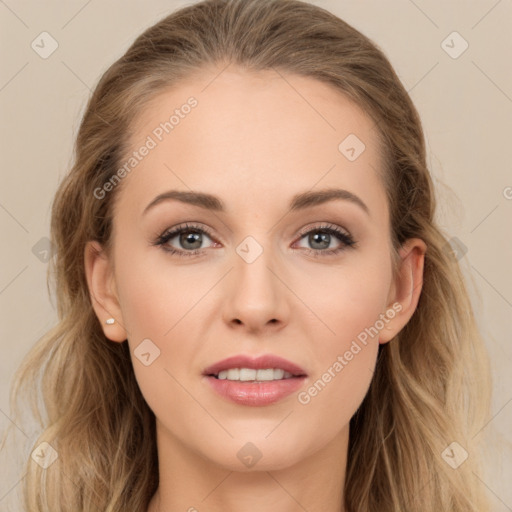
[252,261]
[257,296]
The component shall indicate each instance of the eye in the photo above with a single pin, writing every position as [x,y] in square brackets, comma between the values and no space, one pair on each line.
[189,236]
[322,236]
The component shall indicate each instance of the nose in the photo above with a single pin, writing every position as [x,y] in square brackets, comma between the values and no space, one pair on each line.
[257,296]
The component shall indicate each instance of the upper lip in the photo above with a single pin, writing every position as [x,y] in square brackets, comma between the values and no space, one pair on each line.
[262,362]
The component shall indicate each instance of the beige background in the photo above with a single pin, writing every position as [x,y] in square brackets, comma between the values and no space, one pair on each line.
[465,104]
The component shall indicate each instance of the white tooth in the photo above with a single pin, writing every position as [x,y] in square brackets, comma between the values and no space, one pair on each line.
[234,374]
[247,374]
[267,374]
[278,373]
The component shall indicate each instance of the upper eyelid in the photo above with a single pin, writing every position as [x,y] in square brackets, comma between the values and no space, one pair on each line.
[324,225]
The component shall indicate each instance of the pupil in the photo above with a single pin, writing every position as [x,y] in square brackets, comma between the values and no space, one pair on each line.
[191,238]
[324,238]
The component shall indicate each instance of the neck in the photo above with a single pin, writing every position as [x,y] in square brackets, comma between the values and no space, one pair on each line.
[189,482]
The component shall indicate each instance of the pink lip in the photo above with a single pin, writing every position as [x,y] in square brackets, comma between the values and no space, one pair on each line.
[255,393]
[258,363]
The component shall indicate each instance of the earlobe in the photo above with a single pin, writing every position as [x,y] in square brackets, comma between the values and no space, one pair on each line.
[406,288]
[102,291]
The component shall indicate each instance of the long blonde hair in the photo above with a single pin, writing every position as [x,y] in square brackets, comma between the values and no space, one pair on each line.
[431,385]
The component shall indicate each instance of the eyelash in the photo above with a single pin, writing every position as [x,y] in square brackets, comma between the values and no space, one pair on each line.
[346,239]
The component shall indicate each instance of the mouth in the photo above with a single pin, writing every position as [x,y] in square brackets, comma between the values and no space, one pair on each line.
[255,381]
[264,368]
[255,387]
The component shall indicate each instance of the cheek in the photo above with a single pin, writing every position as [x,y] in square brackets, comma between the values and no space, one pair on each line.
[346,353]
[153,296]
[348,300]
[158,313]
[342,376]
[161,348]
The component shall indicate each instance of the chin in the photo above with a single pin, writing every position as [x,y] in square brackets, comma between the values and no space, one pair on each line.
[258,454]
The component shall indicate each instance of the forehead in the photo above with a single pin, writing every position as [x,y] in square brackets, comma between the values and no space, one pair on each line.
[253,137]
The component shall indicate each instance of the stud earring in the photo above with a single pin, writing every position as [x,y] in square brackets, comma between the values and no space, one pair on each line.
[110,321]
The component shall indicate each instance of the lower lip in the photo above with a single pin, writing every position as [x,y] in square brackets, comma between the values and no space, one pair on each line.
[255,393]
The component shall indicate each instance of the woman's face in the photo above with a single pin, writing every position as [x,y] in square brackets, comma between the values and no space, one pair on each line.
[252,275]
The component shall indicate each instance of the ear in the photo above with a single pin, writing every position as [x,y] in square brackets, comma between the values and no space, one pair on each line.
[406,288]
[102,291]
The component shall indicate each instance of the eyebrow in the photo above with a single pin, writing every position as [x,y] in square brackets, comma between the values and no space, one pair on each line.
[298,202]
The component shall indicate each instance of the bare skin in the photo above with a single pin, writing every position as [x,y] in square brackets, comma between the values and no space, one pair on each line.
[255,143]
